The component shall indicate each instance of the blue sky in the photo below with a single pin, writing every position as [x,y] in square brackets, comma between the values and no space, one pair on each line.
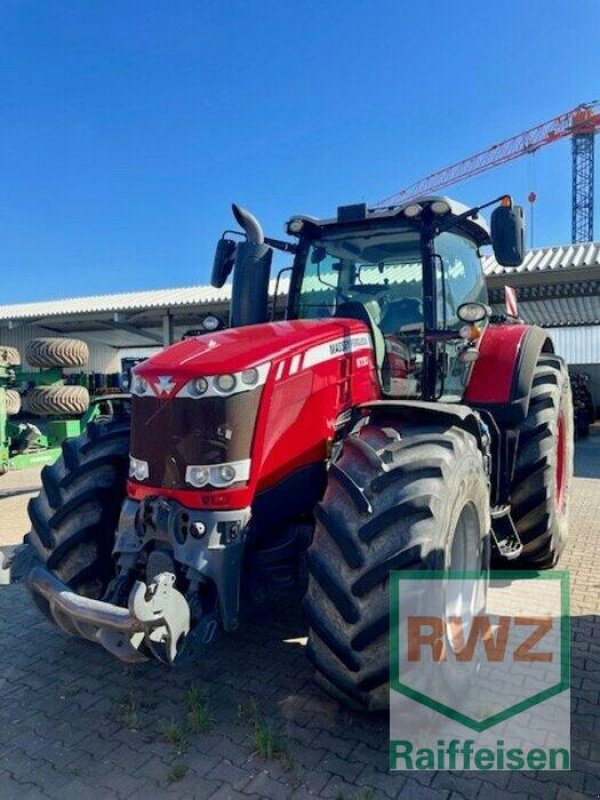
[128,128]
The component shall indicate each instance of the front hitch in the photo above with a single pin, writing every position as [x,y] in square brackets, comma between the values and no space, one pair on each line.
[157,617]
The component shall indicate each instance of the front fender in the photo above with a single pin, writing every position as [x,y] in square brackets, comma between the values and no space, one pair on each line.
[500,381]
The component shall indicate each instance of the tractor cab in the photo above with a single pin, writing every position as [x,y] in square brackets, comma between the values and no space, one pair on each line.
[411,273]
[404,272]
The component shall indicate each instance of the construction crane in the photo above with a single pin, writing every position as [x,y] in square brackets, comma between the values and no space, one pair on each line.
[581,124]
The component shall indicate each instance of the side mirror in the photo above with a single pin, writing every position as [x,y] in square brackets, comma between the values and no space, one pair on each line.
[223,262]
[508,237]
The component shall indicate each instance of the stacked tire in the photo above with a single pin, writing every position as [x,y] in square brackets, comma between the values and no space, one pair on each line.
[48,401]
[13,402]
[9,356]
[56,352]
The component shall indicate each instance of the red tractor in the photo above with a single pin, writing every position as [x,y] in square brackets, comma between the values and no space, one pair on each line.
[389,422]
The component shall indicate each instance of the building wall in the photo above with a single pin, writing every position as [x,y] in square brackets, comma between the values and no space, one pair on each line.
[579,345]
[102,358]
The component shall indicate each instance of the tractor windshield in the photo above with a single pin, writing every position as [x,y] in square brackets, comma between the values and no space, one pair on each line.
[360,268]
[378,275]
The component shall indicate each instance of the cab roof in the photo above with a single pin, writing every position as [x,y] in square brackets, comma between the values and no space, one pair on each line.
[357,215]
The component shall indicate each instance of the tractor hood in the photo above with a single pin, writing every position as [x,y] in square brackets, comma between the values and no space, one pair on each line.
[182,438]
[240,348]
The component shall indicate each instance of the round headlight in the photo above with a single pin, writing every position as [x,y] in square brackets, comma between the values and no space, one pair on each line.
[471,312]
[198,476]
[413,210]
[440,207]
[250,376]
[226,473]
[295,225]
[199,386]
[139,385]
[210,323]
[225,383]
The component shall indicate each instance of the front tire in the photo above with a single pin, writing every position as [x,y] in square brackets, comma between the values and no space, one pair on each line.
[396,499]
[76,514]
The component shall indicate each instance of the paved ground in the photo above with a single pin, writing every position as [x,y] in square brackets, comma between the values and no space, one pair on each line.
[247,721]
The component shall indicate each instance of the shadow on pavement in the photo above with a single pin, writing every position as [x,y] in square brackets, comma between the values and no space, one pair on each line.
[587,457]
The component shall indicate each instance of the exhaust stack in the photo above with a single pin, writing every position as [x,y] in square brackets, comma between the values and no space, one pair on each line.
[251,272]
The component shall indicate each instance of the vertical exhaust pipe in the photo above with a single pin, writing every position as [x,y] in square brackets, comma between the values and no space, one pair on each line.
[251,272]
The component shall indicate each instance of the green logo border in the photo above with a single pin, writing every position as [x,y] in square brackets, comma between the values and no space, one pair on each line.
[397,576]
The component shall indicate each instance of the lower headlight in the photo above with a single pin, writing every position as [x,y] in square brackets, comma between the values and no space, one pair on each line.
[220,476]
[138,469]
[225,474]
[197,476]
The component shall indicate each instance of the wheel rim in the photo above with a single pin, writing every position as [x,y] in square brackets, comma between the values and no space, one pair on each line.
[463,594]
[561,464]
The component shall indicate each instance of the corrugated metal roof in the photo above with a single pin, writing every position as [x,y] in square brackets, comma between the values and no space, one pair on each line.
[549,259]
[127,301]
[543,259]
[559,311]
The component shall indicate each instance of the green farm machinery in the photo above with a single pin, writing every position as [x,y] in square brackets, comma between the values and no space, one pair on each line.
[40,407]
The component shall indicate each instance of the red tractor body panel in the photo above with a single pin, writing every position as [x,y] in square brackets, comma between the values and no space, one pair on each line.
[492,376]
[318,370]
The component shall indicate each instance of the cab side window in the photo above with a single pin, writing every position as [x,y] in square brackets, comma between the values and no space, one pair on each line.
[464,278]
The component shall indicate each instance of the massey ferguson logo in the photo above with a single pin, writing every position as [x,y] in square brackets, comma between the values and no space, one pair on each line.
[347,345]
[164,384]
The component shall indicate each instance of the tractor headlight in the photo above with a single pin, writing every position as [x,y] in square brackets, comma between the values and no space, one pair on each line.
[295,225]
[472,312]
[218,475]
[211,323]
[230,383]
[225,383]
[440,207]
[250,376]
[197,476]
[225,475]
[198,387]
[138,469]
[414,210]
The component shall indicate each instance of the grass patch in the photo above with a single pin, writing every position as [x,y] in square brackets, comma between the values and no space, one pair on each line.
[199,717]
[174,734]
[266,741]
[127,713]
[177,772]
[249,711]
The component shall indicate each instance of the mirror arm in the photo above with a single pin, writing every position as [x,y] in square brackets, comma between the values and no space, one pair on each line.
[278,244]
[472,212]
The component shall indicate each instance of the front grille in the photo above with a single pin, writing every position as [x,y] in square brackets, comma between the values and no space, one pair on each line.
[173,434]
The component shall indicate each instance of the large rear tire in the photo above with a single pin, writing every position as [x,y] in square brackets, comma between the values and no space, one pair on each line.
[544,466]
[397,498]
[53,351]
[76,514]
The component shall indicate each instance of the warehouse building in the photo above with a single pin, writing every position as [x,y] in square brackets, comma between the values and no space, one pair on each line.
[557,288]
